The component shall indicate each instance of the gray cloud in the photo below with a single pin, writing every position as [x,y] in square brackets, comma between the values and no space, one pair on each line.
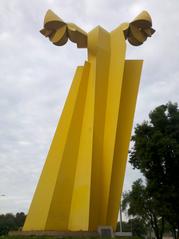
[36,76]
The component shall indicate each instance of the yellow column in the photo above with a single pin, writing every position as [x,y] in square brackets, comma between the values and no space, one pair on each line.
[58,216]
[79,214]
[115,79]
[51,203]
[99,55]
[127,104]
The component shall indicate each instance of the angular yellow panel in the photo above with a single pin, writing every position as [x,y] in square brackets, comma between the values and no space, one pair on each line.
[79,215]
[131,78]
[58,215]
[51,202]
[99,55]
[115,79]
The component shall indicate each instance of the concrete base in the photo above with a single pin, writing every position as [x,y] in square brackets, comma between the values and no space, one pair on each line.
[105,231]
[59,234]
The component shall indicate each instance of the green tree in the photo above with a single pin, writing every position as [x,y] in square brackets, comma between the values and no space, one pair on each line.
[138,227]
[126,227]
[9,222]
[20,219]
[156,154]
[142,207]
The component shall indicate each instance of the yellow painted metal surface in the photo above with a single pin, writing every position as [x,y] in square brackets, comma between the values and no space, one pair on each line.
[132,71]
[40,206]
[115,78]
[81,183]
[98,54]
[79,214]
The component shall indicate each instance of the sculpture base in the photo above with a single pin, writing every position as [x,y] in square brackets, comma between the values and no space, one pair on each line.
[54,233]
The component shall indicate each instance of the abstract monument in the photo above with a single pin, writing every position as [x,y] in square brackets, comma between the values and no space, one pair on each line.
[81,183]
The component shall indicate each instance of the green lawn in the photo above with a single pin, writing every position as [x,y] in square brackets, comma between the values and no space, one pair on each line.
[56,237]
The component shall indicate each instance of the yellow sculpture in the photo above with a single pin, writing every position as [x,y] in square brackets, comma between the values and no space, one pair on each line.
[81,183]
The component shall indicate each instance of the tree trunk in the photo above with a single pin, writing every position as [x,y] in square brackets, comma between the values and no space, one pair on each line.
[162,227]
[156,228]
[177,236]
[174,232]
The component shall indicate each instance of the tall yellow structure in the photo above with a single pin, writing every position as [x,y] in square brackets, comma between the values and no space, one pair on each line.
[81,183]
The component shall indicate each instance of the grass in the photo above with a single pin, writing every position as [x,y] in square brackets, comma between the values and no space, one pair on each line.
[41,237]
[56,237]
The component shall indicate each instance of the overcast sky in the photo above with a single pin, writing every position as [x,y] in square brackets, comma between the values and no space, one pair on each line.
[35,77]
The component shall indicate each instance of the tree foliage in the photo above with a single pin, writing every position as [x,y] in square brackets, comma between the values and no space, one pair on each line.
[142,207]
[156,154]
[136,226]
[10,222]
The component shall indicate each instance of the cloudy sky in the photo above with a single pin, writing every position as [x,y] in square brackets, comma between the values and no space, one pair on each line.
[35,77]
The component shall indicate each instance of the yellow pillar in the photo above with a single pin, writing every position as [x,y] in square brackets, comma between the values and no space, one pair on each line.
[115,79]
[79,214]
[99,55]
[51,203]
[132,71]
